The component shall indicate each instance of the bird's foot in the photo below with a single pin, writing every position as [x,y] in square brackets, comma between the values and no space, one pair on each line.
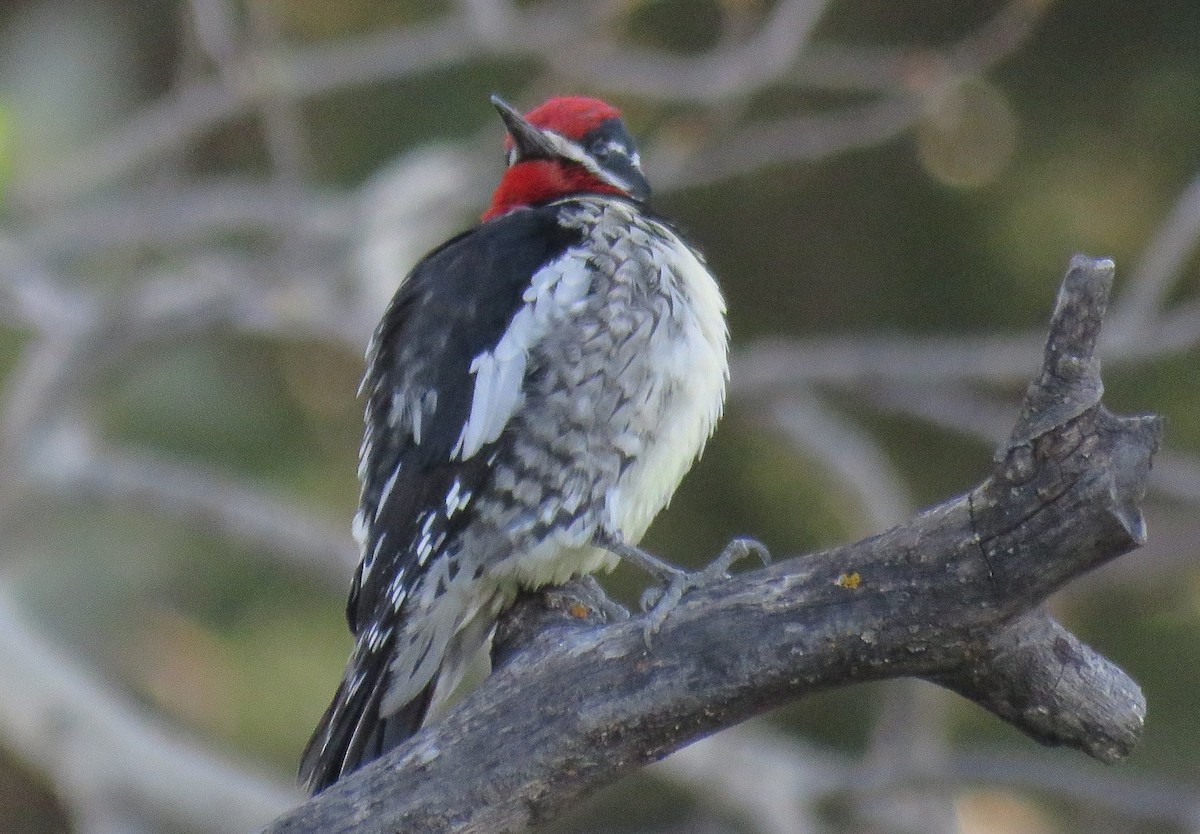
[584,599]
[658,602]
[611,610]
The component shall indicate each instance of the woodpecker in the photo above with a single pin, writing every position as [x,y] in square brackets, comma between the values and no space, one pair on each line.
[535,392]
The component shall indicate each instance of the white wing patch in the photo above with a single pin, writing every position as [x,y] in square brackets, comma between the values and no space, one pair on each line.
[457,499]
[358,528]
[410,409]
[386,492]
[500,372]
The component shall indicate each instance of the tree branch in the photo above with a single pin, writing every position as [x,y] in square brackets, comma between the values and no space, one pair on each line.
[951,595]
[104,752]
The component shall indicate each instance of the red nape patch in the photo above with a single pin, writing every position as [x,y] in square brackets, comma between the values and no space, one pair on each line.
[571,116]
[541,180]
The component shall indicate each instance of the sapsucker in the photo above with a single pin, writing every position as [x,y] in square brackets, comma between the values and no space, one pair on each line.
[535,392]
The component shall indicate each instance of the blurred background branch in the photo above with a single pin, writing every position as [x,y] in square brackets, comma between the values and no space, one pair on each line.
[206,205]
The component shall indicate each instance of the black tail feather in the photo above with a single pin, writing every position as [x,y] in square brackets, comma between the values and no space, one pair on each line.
[352,732]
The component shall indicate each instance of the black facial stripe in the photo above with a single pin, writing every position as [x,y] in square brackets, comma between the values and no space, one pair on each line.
[614,151]
[610,132]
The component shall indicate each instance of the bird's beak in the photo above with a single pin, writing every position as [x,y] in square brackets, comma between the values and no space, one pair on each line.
[529,141]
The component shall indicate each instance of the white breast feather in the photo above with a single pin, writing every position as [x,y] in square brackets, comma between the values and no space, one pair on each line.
[694,368]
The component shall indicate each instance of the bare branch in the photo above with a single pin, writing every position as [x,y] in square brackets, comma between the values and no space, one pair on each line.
[950,596]
[270,76]
[215,27]
[851,454]
[187,113]
[279,112]
[798,139]
[709,78]
[494,21]
[1158,269]
[40,392]
[178,218]
[101,750]
[881,69]
[770,783]
[764,369]
[769,775]
[205,499]
[985,416]
[768,367]
[903,78]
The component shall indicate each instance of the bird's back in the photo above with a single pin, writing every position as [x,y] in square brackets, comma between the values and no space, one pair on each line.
[508,425]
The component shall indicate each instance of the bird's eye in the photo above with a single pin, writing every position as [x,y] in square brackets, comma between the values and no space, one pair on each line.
[600,149]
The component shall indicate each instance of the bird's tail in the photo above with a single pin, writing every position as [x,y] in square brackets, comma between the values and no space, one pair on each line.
[394,685]
[353,730]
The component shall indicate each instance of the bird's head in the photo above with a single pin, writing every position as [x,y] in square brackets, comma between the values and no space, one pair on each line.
[569,145]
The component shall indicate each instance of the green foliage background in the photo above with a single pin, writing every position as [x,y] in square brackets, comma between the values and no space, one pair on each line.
[1103,106]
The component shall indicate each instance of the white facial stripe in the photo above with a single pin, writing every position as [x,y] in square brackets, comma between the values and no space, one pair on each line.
[616,147]
[569,150]
[572,151]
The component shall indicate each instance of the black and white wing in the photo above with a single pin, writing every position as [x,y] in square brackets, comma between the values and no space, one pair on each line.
[438,398]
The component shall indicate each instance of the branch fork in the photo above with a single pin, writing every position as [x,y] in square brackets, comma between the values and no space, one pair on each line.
[952,596]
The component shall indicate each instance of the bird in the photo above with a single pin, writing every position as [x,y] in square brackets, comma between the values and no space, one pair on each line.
[535,391]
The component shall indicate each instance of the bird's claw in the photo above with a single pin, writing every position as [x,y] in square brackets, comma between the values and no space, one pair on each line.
[735,551]
[658,602]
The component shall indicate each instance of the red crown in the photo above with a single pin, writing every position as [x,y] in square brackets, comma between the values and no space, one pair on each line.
[572,116]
